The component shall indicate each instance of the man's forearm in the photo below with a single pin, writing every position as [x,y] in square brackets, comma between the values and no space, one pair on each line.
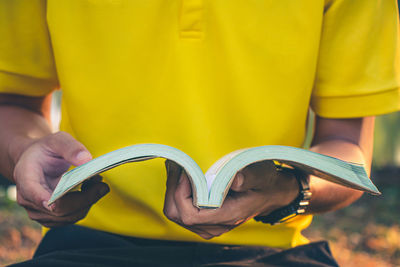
[19,128]
[35,158]
[328,196]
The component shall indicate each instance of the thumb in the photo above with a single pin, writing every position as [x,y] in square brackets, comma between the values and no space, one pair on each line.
[237,184]
[183,195]
[64,145]
[254,177]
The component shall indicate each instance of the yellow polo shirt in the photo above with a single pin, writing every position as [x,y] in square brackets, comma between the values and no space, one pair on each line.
[205,76]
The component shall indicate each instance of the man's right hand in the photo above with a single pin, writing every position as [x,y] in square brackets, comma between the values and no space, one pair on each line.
[37,172]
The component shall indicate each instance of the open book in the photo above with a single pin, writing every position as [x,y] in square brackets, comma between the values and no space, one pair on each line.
[209,190]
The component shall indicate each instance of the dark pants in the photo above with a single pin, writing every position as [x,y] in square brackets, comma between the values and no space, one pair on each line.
[80,246]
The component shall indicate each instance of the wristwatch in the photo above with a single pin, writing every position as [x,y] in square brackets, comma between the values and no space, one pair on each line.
[297,206]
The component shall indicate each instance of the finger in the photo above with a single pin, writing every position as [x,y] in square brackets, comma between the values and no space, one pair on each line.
[53,224]
[233,212]
[64,145]
[197,231]
[41,217]
[245,204]
[28,205]
[209,231]
[238,182]
[201,233]
[33,193]
[90,182]
[75,201]
[195,220]
[191,215]
[184,201]
[206,223]
[215,230]
[173,173]
[236,211]
[254,177]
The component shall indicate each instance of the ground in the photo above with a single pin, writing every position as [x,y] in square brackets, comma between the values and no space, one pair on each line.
[367,233]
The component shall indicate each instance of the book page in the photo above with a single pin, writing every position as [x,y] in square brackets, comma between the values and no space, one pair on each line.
[218,165]
[134,153]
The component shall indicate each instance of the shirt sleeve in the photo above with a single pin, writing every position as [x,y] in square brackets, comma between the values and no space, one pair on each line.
[26,58]
[358,69]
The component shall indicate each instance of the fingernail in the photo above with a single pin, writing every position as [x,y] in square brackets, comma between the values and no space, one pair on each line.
[239,179]
[47,207]
[83,155]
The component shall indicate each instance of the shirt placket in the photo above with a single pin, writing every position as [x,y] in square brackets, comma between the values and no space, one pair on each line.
[191,19]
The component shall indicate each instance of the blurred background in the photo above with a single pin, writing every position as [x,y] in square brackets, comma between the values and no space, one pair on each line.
[367,233]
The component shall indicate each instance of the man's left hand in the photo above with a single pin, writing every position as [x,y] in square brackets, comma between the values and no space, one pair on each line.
[256,190]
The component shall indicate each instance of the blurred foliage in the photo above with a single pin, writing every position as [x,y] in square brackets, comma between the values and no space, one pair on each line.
[387,140]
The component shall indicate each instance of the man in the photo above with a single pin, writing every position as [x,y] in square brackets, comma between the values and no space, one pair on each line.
[207,77]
